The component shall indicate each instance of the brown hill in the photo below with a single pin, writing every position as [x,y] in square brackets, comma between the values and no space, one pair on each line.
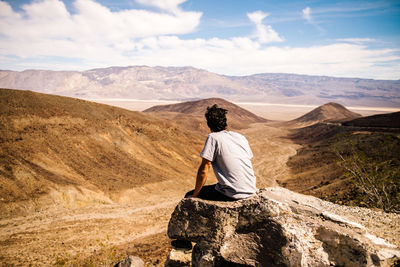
[389,120]
[52,145]
[190,115]
[330,112]
[316,168]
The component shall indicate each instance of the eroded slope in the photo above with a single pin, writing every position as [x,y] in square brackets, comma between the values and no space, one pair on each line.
[51,143]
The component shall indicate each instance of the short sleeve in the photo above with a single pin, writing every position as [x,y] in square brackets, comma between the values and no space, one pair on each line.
[209,149]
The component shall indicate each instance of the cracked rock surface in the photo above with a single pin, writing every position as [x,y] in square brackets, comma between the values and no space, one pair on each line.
[276,227]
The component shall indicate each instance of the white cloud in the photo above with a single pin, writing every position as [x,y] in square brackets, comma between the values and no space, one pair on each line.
[94,36]
[264,33]
[357,40]
[243,56]
[48,21]
[307,14]
[257,16]
[5,9]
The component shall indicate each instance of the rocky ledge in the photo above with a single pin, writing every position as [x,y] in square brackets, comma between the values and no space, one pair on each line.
[276,227]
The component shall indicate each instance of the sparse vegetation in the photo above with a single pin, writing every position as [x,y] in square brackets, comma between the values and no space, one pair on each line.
[355,166]
[105,255]
[373,162]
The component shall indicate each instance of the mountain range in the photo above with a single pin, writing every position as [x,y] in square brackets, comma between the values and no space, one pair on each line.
[188,83]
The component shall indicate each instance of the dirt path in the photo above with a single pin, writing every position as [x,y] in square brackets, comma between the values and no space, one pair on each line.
[42,237]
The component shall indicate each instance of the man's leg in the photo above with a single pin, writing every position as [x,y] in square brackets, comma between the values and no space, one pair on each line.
[209,192]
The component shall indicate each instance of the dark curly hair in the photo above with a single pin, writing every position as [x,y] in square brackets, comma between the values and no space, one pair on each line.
[216,118]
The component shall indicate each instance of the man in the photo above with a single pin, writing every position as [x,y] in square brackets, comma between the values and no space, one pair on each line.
[230,155]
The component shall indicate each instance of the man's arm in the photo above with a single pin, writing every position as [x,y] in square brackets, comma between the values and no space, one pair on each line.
[201,176]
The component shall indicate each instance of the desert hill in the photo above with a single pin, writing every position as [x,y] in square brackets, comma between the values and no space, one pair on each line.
[191,114]
[330,112]
[52,145]
[371,143]
[182,83]
[389,120]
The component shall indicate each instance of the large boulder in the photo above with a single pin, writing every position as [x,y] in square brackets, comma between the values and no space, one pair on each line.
[276,227]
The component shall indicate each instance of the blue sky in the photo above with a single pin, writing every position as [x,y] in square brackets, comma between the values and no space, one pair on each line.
[333,38]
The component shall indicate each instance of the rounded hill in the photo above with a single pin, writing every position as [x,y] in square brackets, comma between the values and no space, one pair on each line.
[332,112]
[190,114]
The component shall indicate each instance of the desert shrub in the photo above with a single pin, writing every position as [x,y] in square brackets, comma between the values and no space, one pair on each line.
[372,161]
[105,255]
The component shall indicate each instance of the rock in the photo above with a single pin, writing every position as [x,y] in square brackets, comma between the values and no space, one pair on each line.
[276,227]
[131,261]
[179,258]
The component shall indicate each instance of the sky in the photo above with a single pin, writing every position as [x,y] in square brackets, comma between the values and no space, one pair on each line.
[348,38]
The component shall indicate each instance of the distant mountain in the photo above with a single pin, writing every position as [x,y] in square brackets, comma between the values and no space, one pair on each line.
[52,146]
[389,120]
[332,112]
[191,114]
[183,83]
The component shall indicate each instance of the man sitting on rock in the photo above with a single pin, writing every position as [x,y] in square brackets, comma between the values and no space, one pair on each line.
[230,155]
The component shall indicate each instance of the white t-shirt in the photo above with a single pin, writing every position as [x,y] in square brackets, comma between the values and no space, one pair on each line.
[231,155]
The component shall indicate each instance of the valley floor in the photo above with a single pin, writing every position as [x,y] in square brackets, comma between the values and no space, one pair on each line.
[55,236]
[60,235]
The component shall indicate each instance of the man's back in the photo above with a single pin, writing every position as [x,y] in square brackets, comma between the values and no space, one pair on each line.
[231,155]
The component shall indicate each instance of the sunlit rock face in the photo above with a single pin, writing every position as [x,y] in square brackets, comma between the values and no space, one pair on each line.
[276,227]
